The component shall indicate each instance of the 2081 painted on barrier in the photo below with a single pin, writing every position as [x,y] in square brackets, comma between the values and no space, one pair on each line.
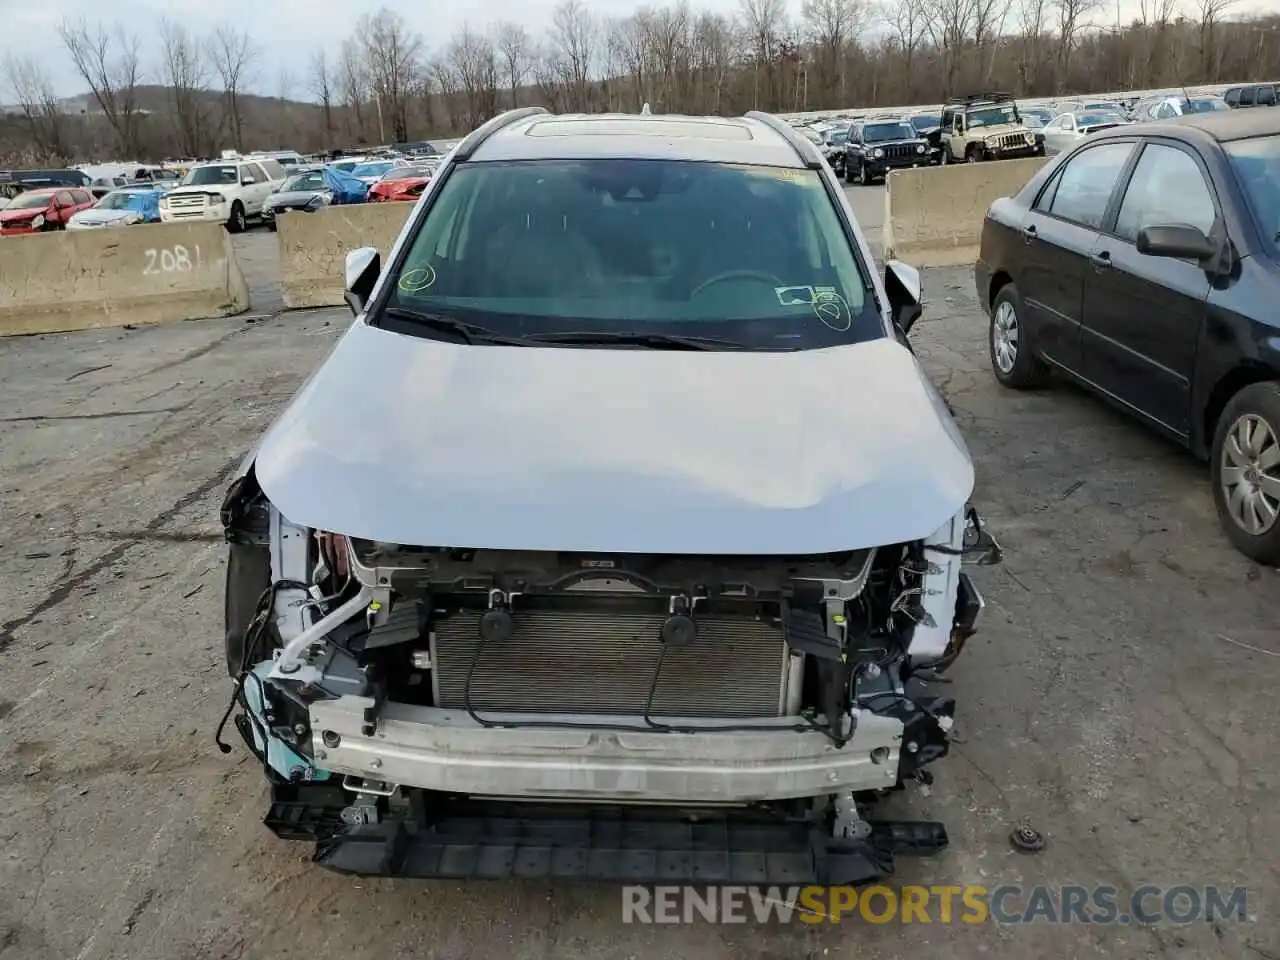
[175,259]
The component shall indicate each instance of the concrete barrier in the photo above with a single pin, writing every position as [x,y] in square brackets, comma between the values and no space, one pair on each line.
[79,280]
[933,216]
[314,247]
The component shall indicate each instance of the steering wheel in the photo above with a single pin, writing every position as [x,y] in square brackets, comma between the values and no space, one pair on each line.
[738,275]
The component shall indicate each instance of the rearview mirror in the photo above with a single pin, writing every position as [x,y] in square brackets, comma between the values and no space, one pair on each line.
[360,276]
[902,285]
[1176,240]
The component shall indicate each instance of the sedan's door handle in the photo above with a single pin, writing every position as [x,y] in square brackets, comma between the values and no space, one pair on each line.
[1029,233]
[1101,261]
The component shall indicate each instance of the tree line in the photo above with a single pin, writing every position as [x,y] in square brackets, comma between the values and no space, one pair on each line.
[189,95]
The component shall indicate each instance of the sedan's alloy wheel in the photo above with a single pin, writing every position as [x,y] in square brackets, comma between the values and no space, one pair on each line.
[1004,337]
[1251,474]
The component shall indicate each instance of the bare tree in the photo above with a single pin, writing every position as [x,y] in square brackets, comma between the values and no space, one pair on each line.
[573,37]
[830,25]
[474,62]
[515,46]
[109,62]
[39,103]
[392,54]
[185,73]
[353,84]
[950,24]
[1209,14]
[321,85]
[764,22]
[907,21]
[233,53]
[1072,17]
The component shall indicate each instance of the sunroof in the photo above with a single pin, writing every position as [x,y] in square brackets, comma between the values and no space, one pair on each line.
[638,127]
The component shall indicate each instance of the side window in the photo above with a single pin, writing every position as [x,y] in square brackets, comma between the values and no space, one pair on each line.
[1165,111]
[274,169]
[1086,182]
[79,196]
[256,172]
[1246,96]
[1232,97]
[1266,96]
[63,198]
[1166,187]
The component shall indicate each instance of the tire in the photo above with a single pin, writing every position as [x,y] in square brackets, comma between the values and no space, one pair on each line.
[945,159]
[1013,360]
[848,174]
[863,178]
[972,155]
[236,222]
[1258,406]
[248,575]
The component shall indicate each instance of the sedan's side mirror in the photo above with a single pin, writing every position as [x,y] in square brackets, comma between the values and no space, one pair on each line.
[1177,240]
[360,276]
[902,285]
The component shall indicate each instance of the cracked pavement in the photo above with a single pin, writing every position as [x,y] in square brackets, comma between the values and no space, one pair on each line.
[1119,696]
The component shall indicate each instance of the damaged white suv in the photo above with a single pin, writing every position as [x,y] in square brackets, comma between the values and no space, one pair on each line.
[619,537]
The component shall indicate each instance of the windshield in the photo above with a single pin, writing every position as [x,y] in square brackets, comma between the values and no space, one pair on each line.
[838,136]
[880,132]
[119,200]
[31,201]
[810,135]
[303,181]
[412,172]
[346,166]
[1095,119]
[1257,165]
[992,116]
[926,121]
[375,169]
[1204,105]
[756,255]
[212,176]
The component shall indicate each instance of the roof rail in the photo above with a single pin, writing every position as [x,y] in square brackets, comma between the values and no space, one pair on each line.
[471,143]
[991,96]
[805,148]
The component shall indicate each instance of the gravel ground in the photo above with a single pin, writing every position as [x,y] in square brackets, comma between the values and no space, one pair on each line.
[1110,699]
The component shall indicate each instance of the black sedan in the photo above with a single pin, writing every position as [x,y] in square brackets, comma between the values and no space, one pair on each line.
[1144,263]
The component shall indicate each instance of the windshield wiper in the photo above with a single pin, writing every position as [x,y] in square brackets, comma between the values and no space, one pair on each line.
[469,332]
[657,341]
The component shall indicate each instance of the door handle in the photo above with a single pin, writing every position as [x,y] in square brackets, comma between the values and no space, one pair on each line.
[1101,261]
[1028,233]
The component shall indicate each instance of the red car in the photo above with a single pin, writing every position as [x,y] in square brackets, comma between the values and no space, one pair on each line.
[402,183]
[39,210]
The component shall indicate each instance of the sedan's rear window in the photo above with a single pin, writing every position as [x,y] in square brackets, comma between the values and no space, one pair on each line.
[754,254]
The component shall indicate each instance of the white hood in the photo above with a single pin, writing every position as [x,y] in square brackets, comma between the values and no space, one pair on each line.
[418,441]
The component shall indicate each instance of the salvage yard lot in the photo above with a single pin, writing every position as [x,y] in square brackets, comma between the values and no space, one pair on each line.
[1104,701]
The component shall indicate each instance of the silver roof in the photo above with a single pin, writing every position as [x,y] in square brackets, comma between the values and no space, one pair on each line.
[640,137]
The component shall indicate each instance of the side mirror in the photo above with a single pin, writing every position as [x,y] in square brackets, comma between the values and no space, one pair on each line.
[247,180]
[1176,240]
[360,276]
[902,285]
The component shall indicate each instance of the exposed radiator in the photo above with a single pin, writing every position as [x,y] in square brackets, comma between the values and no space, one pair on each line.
[570,662]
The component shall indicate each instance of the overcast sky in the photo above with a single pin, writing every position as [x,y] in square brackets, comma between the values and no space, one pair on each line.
[289,31]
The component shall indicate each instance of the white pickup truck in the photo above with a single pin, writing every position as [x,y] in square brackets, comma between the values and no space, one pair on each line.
[228,191]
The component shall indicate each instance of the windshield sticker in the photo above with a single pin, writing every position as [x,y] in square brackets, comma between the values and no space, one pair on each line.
[831,309]
[794,296]
[417,279]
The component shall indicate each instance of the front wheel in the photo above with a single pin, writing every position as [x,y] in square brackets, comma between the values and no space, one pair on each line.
[236,222]
[945,159]
[1246,471]
[1013,359]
